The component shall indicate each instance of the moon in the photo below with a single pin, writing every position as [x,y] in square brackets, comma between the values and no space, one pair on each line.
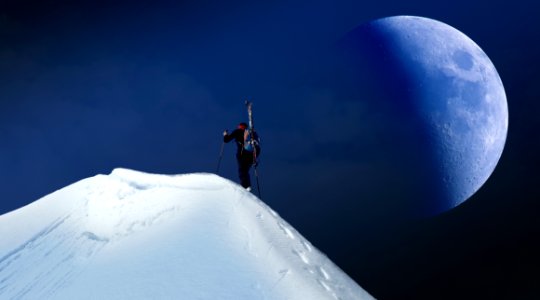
[441,102]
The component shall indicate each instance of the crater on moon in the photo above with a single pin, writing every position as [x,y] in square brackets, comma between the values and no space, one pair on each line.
[463,59]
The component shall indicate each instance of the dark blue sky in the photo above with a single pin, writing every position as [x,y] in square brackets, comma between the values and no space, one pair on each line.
[87,86]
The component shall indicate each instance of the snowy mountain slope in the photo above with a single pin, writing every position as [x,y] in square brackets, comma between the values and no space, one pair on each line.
[132,235]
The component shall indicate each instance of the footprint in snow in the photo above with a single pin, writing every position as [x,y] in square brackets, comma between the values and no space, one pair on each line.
[286,230]
[302,256]
[307,245]
[323,273]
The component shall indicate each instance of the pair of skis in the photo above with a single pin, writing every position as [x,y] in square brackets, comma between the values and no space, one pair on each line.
[251,129]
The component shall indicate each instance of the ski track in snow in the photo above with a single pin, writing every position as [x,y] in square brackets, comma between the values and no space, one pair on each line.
[106,216]
[22,271]
[73,248]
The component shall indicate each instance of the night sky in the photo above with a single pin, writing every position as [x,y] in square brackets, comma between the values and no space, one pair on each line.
[88,86]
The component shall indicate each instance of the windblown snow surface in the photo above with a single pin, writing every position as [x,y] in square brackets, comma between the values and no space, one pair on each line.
[132,235]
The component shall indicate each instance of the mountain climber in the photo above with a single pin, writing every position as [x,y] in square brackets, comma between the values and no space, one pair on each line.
[248,149]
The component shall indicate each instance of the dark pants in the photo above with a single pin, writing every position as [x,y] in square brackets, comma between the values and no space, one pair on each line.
[245,161]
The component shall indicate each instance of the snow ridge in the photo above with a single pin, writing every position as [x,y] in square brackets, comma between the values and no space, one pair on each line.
[137,235]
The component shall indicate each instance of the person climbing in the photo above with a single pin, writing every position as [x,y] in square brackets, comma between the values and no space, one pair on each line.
[248,149]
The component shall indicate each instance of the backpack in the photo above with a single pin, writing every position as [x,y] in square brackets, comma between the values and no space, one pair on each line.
[251,141]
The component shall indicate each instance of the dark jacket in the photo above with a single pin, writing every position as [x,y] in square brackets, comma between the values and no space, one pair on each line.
[238,136]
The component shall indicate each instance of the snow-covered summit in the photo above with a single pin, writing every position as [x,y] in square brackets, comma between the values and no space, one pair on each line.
[132,235]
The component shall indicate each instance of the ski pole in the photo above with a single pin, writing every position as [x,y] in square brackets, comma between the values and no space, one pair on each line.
[220,156]
[255,164]
[257,179]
